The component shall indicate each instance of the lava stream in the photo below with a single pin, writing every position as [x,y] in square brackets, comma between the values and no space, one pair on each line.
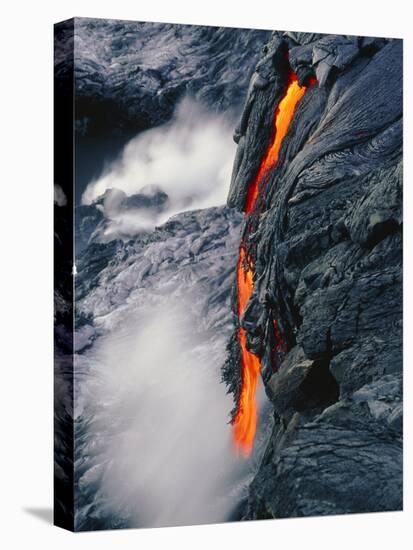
[245,420]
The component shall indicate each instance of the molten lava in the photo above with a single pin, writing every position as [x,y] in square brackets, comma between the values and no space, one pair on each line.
[245,420]
[282,120]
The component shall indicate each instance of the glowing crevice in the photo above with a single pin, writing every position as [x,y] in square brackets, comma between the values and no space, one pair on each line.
[245,419]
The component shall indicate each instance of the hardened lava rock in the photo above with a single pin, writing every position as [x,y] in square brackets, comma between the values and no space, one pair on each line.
[327,251]
[130,75]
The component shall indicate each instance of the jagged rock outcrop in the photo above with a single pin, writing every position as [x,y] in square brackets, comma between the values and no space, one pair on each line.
[326,245]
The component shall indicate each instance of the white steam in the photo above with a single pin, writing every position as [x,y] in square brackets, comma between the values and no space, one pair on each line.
[190,159]
[163,420]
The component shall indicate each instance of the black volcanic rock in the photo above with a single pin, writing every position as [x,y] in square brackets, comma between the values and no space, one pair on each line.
[327,251]
[129,75]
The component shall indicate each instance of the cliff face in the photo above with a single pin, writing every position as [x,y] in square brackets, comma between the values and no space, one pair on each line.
[321,245]
[325,241]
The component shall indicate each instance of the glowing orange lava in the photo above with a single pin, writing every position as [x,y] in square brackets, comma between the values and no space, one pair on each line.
[282,120]
[245,420]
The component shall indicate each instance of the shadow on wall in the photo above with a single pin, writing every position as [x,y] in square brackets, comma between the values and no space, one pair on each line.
[44,514]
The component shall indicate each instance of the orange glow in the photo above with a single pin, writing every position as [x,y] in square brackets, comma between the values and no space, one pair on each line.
[245,420]
[282,120]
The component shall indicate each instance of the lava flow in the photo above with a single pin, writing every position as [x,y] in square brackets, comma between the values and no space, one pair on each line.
[245,420]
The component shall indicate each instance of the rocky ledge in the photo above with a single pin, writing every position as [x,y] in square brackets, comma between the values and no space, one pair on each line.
[327,251]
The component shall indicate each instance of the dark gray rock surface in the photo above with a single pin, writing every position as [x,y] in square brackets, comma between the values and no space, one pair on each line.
[130,75]
[326,242]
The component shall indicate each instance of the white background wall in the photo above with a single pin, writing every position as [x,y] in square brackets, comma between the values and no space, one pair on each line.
[26,272]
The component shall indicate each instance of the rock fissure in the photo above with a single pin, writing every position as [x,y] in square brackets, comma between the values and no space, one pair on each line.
[326,249]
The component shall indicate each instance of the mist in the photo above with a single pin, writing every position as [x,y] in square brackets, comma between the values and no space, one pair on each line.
[149,398]
[162,420]
[190,158]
